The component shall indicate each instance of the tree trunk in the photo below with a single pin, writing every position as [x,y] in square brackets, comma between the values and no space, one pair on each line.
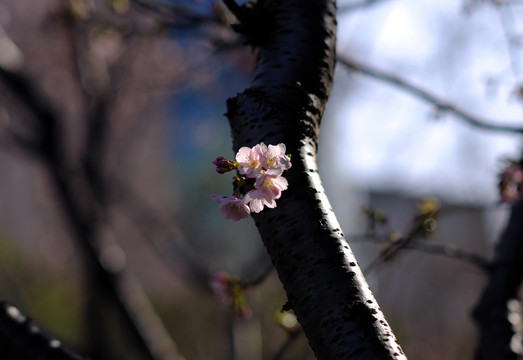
[285,102]
[496,331]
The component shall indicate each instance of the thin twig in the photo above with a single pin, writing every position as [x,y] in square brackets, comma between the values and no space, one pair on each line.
[343,9]
[174,15]
[450,251]
[440,104]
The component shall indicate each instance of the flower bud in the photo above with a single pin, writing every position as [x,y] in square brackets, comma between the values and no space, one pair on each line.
[224,165]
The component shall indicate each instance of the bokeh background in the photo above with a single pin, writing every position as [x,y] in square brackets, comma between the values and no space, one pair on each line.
[158,77]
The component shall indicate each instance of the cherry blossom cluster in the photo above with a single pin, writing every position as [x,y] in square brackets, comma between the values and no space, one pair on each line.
[261,168]
[511,182]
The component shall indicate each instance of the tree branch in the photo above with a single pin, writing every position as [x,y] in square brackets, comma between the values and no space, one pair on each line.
[452,252]
[440,104]
[358,5]
[22,339]
[184,16]
[284,104]
[234,8]
[491,312]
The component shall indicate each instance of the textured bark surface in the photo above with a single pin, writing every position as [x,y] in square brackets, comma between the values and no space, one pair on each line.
[491,313]
[295,40]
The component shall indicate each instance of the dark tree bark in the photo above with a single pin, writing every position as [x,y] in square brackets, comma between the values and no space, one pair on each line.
[22,339]
[285,102]
[491,313]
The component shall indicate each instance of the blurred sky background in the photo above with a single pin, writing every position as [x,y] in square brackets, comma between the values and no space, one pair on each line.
[468,54]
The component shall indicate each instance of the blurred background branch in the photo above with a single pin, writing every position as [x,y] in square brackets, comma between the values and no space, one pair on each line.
[442,106]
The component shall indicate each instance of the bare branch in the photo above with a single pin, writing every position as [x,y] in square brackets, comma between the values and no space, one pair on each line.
[176,16]
[452,252]
[234,8]
[343,9]
[440,104]
[447,250]
[21,338]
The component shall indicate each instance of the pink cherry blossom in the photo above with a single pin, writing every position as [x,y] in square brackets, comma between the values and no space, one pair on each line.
[250,160]
[262,166]
[231,207]
[257,201]
[274,160]
[267,189]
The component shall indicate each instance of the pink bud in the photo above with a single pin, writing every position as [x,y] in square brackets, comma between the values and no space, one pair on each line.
[223,165]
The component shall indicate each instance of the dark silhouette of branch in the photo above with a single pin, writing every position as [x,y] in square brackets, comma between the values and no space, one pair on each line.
[236,9]
[491,312]
[421,226]
[22,339]
[453,252]
[176,16]
[450,251]
[425,95]
[295,40]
